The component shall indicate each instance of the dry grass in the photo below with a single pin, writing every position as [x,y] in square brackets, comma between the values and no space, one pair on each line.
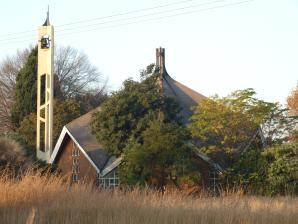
[50,200]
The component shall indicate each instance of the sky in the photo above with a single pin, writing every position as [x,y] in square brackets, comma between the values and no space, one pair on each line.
[212,46]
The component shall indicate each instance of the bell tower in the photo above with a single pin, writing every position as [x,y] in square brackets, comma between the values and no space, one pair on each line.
[45,91]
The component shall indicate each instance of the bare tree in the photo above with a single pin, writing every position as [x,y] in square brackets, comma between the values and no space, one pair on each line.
[9,68]
[76,74]
[75,77]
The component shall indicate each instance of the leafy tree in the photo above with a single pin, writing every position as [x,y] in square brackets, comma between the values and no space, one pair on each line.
[161,158]
[228,123]
[25,90]
[27,130]
[64,112]
[293,101]
[89,101]
[140,124]
[248,172]
[282,173]
[128,112]
[271,171]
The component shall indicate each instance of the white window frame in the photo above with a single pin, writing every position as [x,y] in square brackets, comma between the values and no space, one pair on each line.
[110,180]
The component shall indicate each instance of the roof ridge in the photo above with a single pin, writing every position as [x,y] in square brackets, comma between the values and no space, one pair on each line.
[84,115]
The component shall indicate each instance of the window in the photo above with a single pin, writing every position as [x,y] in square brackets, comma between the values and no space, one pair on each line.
[75,150]
[75,169]
[111,180]
[75,163]
[74,178]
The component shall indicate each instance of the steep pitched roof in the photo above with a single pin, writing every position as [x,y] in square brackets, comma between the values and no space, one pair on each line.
[185,96]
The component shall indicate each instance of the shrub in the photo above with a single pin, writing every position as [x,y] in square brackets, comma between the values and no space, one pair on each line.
[12,154]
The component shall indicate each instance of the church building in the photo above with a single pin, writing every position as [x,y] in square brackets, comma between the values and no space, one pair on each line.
[77,153]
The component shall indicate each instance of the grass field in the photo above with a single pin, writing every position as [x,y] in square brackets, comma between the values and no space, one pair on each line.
[48,199]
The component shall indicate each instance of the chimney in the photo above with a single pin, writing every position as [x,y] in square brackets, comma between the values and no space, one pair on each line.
[160,61]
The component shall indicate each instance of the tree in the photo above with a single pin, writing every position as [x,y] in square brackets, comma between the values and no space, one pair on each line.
[64,112]
[282,173]
[248,172]
[75,78]
[140,124]
[162,157]
[12,154]
[293,101]
[9,69]
[76,75]
[127,113]
[270,171]
[228,123]
[25,90]
[293,106]
[89,101]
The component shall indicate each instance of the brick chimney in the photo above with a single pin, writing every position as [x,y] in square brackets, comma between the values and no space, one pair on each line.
[160,61]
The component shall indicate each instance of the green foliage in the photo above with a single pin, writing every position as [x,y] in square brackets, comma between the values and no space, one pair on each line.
[64,112]
[127,113]
[141,125]
[162,156]
[282,171]
[89,101]
[272,171]
[27,130]
[228,123]
[25,97]
[249,172]
[26,90]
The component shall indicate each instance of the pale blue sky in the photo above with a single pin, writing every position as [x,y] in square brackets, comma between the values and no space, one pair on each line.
[254,44]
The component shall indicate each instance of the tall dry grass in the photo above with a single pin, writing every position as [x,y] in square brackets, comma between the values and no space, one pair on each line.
[49,199]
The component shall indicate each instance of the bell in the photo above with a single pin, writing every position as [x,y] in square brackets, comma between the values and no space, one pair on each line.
[45,42]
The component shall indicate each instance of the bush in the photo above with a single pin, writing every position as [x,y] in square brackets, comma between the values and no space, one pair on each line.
[12,154]
[282,170]
[272,171]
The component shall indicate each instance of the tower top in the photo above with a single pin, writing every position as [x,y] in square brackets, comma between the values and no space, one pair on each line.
[47,22]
